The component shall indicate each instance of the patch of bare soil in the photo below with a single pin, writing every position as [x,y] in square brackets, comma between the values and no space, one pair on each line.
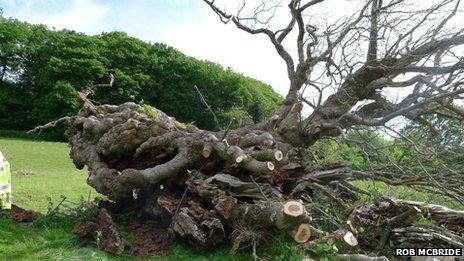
[149,238]
[18,214]
[103,230]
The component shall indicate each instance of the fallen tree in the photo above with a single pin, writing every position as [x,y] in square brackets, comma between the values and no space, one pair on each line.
[246,184]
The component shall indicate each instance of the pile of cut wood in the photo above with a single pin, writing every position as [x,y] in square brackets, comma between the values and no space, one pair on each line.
[237,187]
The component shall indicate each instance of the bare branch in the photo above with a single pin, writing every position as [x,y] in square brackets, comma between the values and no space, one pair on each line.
[374,31]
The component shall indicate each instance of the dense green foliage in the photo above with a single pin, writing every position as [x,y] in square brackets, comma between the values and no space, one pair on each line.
[415,150]
[445,139]
[40,69]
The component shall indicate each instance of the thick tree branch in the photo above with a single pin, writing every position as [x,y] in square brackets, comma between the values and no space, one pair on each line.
[374,31]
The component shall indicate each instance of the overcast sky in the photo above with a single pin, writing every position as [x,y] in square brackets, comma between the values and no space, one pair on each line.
[188,25]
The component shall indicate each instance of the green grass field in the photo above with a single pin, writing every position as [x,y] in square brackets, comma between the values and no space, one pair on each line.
[43,173]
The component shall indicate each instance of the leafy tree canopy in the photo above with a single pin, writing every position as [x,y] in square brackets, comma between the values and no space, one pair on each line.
[40,69]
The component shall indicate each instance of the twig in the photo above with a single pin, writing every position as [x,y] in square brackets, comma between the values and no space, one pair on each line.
[227,129]
[52,124]
[185,192]
[207,105]
[82,95]
[334,220]
[259,187]
[59,204]
[329,195]
[354,188]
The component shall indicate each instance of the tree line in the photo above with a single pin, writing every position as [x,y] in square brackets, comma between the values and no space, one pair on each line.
[40,70]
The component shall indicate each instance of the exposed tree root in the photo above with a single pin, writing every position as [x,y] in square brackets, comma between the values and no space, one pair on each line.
[242,186]
[103,230]
[210,188]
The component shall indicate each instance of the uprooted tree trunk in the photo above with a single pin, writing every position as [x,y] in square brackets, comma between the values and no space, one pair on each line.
[244,184]
[211,187]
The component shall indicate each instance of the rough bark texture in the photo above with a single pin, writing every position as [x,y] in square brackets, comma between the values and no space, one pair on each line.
[208,188]
[400,224]
[211,188]
[103,230]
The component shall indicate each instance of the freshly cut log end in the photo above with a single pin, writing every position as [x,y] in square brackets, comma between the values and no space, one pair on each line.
[350,239]
[278,155]
[351,227]
[294,208]
[270,166]
[302,234]
[240,159]
[344,240]
[206,152]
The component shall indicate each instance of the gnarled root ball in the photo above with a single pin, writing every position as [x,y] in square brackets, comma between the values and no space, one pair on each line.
[209,188]
[198,185]
[130,147]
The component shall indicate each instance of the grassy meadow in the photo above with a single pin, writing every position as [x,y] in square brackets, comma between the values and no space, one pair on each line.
[42,173]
